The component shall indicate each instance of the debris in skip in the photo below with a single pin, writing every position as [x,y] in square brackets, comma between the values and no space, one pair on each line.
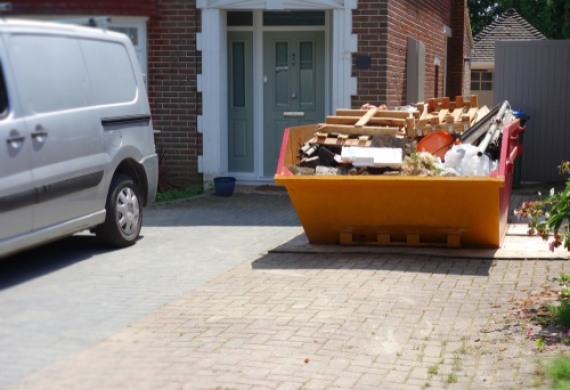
[438,137]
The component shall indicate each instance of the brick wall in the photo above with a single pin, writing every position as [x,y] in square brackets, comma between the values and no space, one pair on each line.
[458,44]
[83,7]
[383,27]
[173,64]
[370,22]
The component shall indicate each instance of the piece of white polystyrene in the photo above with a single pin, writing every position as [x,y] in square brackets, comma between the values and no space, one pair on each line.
[372,157]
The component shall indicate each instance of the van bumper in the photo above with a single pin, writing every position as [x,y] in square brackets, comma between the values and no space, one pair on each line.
[150,165]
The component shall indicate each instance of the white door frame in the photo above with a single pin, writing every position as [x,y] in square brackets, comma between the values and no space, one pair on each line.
[213,82]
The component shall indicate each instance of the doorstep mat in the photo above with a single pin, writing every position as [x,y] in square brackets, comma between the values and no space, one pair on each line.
[517,245]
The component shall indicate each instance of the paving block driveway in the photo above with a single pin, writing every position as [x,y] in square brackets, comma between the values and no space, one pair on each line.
[199,304]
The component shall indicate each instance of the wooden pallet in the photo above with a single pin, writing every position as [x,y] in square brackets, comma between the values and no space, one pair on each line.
[438,114]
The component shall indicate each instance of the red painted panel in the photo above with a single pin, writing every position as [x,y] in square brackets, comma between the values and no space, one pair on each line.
[88,8]
[281,170]
[510,150]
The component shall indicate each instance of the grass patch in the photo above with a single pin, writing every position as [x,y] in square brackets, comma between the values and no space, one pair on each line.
[561,313]
[179,193]
[432,369]
[451,378]
[559,372]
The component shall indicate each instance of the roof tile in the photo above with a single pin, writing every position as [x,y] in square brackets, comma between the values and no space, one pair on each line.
[510,26]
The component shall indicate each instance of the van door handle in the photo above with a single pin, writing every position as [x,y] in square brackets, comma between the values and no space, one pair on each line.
[39,132]
[14,139]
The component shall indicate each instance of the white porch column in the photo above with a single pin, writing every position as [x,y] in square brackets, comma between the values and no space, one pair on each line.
[344,43]
[213,84]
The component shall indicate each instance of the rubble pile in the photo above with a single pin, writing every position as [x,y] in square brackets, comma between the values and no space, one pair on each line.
[436,138]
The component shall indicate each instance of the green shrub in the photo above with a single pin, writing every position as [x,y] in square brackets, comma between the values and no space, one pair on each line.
[559,372]
[550,217]
[561,313]
[178,193]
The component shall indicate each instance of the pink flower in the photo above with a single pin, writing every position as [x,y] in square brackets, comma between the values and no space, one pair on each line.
[529,331]
[551,246]
[511,313]
[568,332]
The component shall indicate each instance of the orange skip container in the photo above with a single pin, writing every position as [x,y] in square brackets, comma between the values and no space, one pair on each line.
[401,210]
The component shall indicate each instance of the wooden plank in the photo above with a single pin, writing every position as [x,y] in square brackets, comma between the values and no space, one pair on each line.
[472,113]
[457,127]
[457,113]
[481,114]
[411,127]
[366,130]
[443,113]
[339,142]
[420,107]
[474,101]
[431,105]
[379,113]
[442,103]
[366,117]
[459,102]
[351,120]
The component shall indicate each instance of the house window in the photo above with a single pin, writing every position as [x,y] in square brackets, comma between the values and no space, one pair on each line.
[131,32]
[239,18]
[482,80]
[294,18]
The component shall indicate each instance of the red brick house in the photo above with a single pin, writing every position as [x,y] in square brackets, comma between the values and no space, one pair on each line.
[226,76]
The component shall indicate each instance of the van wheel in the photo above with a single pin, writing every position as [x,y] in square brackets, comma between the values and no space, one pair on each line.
[124,217]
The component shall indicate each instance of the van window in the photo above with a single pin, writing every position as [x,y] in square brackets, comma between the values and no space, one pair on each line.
[110,71]
[3,94]
[50,72]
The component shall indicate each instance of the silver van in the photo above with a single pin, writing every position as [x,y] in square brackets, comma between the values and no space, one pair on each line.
[76,138]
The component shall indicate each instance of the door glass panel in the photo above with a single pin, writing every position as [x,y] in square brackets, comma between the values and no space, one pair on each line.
[281,74]
[294,18]
[238,74]
[306,79]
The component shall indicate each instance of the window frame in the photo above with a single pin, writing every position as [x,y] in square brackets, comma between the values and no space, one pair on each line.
[476,83]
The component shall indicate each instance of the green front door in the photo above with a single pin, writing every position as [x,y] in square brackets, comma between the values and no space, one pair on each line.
[293,87]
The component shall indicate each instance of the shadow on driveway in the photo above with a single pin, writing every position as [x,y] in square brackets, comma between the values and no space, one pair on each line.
[411,264]
[48,258]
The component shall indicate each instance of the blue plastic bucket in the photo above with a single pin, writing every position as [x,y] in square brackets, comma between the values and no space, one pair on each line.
[225,185]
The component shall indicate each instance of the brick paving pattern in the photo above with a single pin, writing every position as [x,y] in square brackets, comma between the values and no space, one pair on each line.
[325,322]
[60,298]
[316,321]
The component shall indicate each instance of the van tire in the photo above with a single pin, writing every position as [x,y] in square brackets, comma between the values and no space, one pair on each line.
[123,220]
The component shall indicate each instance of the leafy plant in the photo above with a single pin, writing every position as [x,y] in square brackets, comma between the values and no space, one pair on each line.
[178,193]
[540,344]
[559,372]
[432,369]
[562,278]
[550,217]
[561,313]
[564,292]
